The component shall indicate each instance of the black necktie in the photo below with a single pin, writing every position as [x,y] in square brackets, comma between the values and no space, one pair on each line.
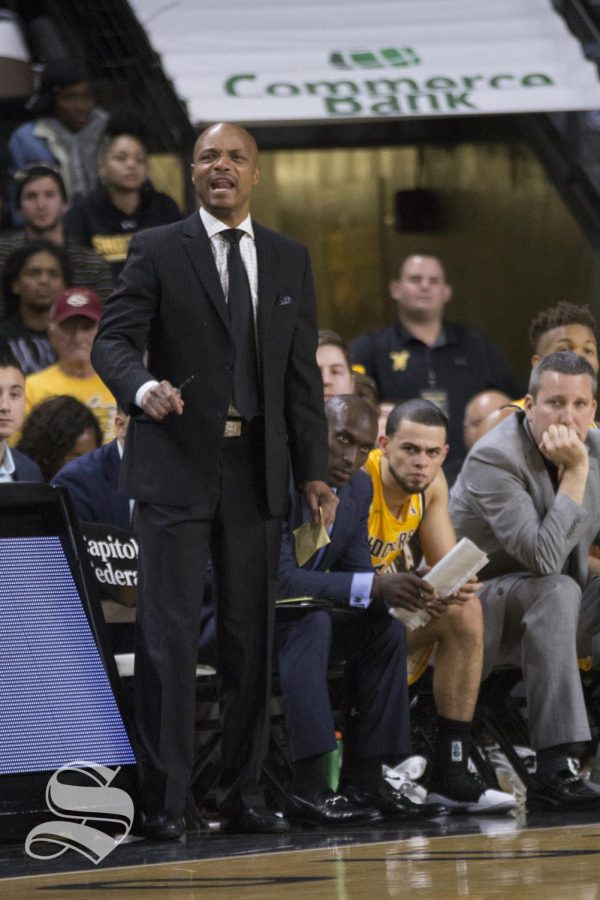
[239,300]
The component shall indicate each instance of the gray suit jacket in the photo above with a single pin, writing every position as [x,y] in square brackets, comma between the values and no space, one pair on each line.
[504,501]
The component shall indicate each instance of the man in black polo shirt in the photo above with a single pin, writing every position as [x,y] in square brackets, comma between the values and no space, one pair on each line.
[421,355]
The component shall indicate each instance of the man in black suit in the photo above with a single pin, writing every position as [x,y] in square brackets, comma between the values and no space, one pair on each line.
[359,632]
[14,466]
[219,405]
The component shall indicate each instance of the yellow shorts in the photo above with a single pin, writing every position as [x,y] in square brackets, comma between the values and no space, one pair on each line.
[417,662]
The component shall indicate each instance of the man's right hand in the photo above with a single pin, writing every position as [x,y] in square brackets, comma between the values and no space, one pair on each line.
[407,591]
[162,399]
[562,445]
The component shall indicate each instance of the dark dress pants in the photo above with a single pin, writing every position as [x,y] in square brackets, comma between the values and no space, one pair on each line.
[375,690]
[234,527]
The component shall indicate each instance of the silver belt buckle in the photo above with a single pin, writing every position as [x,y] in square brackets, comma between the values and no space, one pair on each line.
[233,428]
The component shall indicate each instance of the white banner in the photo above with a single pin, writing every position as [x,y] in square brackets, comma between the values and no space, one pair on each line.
[12,44]
[277,61]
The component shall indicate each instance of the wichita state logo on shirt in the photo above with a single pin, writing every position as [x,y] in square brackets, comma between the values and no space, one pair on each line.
[113,247]
[399,360]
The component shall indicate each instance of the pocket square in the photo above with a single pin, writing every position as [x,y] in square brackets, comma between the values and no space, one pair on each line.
[285,301]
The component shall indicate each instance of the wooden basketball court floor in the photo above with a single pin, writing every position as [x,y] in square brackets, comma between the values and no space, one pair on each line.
[526,857]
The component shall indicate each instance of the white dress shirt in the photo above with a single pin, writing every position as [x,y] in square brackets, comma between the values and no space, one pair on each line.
[220,248]
[7,466]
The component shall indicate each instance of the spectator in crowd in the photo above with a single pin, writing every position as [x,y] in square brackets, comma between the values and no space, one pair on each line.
[58,430]
[72,329]
[365,636]
[410,498]
[207,464]
[423,355]
[33,277]
[529,495]
[14,465]
[125,202]
[333,360]
[92,481]
[68,131]
[365,387]
[476,410]
[5,221]
[41,200]
[491,420]
[385,409]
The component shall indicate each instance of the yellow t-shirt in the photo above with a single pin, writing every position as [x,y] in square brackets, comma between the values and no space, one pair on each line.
[52,382]
[388,542]
[113,247]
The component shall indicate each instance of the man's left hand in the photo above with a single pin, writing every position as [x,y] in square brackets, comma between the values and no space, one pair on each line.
[467,591]
[318,494]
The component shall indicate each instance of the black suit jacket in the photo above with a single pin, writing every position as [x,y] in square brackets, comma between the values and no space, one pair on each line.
[348,552]
[169,299]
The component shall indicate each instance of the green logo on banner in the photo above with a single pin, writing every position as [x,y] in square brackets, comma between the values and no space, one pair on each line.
[394,57]
[386,94]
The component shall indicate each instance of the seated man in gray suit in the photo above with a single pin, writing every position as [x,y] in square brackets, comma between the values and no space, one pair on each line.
[529,496]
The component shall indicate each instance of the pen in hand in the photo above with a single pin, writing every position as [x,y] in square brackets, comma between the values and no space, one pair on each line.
[162,400]
[185,383]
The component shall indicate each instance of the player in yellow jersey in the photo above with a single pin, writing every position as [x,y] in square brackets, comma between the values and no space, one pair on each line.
[410,496]
[389,542]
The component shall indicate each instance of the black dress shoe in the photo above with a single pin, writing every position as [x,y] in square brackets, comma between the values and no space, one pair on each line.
[393,804]
[256,820]
[162,827]
[328,808]
[561,790]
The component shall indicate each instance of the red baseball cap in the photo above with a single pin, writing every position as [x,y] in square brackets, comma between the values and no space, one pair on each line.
[76,302]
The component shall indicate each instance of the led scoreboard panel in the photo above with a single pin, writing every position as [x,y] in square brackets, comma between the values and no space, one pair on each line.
[58,681]
[56,701]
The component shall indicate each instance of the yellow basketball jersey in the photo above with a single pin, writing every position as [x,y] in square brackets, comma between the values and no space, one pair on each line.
[389,543]
[388,535]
